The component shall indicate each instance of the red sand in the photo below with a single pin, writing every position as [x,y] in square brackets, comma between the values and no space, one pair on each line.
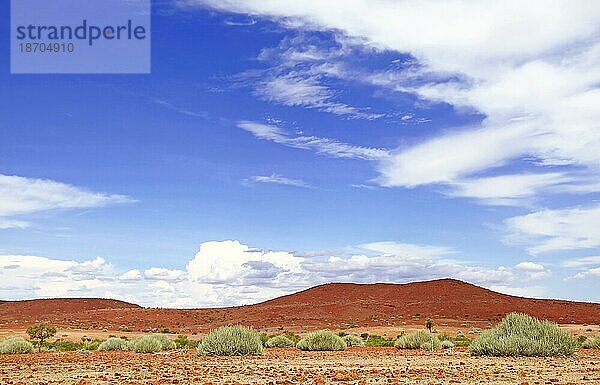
[336,306]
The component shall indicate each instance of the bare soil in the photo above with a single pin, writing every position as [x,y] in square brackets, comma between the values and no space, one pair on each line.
[357,366]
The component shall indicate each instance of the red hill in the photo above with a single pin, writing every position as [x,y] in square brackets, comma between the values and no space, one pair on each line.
[338,305]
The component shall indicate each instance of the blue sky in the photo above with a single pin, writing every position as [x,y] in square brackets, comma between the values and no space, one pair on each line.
[279,145]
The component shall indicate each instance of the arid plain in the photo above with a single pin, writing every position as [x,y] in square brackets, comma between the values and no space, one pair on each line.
[385,310]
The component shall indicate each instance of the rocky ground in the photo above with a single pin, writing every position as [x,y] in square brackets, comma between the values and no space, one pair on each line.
[357,366]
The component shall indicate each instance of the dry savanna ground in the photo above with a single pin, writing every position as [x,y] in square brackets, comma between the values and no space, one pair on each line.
[359,366]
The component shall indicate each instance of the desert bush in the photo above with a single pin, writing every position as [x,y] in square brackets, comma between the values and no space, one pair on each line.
[15,346]
[321,340]
[165,342]
[292,336]
[231,341]
[591,343]
[353,340]
[447,344]
[182,341]
[378,341]
[523,335]
[279,342]
[114,343]
[146,344]
[419,339]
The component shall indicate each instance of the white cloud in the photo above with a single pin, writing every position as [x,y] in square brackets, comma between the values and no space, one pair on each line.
[533,271]
[582,262]
[21,196]
[295,89]
[586,266]
[595,272]
[231,273]
[160,273]
[278,179]
[537,89]
[131,275]
[325,146]
[530,266]
[555,230]
[529,291]
[13,224]
[506,189]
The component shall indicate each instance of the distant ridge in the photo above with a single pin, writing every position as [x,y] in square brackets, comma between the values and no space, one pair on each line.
[41,308]
[336,305]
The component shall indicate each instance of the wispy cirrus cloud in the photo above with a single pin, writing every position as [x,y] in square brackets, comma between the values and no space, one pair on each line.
[281,180]
[300,89]
[324,146]
[20,196]
[537,92]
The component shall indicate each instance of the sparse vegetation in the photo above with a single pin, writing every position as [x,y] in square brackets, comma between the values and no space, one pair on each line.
[279,342]
[61,345]
[15,346]
[591,343]
[146,344]
[165,342]
[447,344]
[182,342]
[114,343]
[231,341]
[41,332]
[523,335]
[419,339]
[353,340]
[378,341]
[429,325]
[321,340]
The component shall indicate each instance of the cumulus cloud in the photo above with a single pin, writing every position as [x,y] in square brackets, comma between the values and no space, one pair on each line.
[555,230]
[20,196]
[586,267]
[231,273]
[595,272]
[530,266]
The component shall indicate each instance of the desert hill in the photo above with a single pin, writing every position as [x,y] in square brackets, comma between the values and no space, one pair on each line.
[336,306]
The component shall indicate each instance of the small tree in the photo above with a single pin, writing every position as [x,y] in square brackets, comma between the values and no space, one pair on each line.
[429,325]
[41,332]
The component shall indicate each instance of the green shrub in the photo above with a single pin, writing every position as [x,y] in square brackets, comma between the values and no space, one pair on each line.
[378,341]
[292,337]
[114,343]
[591,343]
[15,346]
[165,342]
[182,341]
[419,339]
[64,345]
[523,335]
[279,342]
[146,344]
[321,340]
[231,341]
[447,344]
[353,340]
